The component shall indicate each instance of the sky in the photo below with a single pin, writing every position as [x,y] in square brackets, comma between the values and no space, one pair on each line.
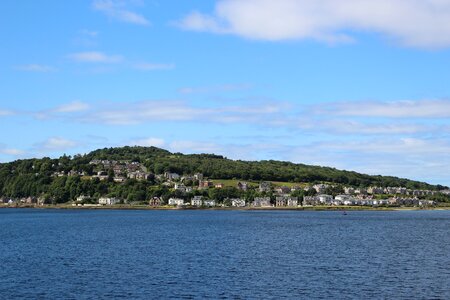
[359,85]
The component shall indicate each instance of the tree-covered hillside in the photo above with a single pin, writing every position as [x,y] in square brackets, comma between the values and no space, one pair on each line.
[50,177]
[215,166]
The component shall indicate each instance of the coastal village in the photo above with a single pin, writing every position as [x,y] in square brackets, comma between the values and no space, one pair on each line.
[266,194]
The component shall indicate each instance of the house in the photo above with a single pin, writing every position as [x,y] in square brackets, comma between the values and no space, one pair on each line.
[286,201]
[102,175]
[198,176]
[197,201]
[292,201]
[325,199]
[361,191]
[282,190]
[209,202]
[375,190]
[344,200]
[176,201]
[219,185]
[243,186]
[205,184]
[238,202]
[171,176]
[180,187]
[426,203]
[310,201]
[265,186]
[320,188]
[82,198]
[261,202]
[119,179]
[349,190]
[138,175]
[108,201]
[155,201]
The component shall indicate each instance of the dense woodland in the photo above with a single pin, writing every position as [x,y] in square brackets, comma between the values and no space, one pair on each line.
[34,177]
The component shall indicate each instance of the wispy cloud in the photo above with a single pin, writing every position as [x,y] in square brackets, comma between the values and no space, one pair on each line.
[147,142]
[11,151]
[36,68]
[118,9]
[56,144]
[214,89]
[153,66]
[95,57]
[62,110]
[179,111]
[4,113]
[392,109]
[75,106]
[415,23]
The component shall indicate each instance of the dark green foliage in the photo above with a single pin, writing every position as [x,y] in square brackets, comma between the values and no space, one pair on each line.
[33,177]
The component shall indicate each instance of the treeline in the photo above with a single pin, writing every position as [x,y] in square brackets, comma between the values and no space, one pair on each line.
[35,177]
[215,166]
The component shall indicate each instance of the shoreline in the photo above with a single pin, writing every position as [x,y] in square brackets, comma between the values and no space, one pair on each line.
[145,207]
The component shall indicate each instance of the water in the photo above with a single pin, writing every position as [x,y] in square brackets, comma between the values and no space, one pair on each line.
[80,254]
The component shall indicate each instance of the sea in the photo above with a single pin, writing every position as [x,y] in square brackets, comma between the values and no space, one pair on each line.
[215,254]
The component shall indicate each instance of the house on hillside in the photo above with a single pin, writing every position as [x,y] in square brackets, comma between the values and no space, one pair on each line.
[238,202]
[265,186]
[243,186]
[176,201]
[282,190]
[155,201]
[209,202]
[171,176]
[204,184]
[108,201]
[320,188]
[261,202]
[197,201]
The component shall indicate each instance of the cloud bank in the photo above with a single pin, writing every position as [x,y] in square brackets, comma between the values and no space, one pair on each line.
[413,23]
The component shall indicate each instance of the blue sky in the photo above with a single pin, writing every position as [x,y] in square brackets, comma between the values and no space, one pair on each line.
[352,84]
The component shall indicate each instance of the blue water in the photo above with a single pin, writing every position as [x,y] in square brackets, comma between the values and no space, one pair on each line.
[80,254]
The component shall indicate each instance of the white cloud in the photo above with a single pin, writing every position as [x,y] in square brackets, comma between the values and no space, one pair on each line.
[153,66]
[36,68]
[392,109]
[416,23]
[12,151]
[95,57]
[147,142]
[75,106]
[56,144]
[194,147]
[214,89]
[178,111]
[118,10]
[4,113]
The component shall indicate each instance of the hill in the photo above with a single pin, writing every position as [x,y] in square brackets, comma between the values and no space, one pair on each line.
[67,177]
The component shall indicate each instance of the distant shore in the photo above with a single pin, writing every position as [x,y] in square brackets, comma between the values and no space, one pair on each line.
[146,207]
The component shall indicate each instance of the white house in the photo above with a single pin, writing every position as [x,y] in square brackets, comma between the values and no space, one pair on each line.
[108,201]
[209,202]
[197,201]
[176,201]
[325,199]
[262,202]
[292,201]
[238,202]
